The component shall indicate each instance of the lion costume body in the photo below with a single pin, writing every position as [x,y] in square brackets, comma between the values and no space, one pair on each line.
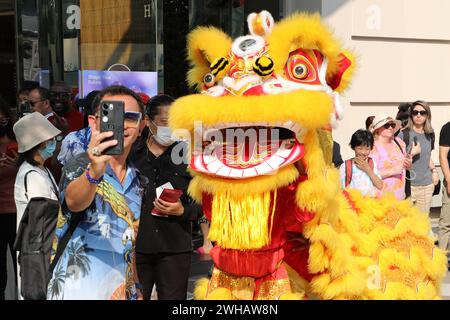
[283,227]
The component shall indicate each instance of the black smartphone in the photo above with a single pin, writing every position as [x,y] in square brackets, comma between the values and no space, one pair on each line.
[112,119]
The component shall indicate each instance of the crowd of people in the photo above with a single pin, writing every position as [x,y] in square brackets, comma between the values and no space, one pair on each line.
[123,239]
[393,155]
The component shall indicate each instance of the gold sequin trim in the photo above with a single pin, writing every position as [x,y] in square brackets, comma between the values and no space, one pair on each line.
[242,288]
[273,289]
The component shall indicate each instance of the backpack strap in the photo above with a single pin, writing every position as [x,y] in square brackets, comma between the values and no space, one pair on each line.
[432,137]
[54,186]
[25,178]
[371,163]
[75,218]
[406,137]
[399,146]
[348,172]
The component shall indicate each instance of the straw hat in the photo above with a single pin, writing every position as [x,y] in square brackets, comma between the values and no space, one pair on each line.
[32,130]
[381,119]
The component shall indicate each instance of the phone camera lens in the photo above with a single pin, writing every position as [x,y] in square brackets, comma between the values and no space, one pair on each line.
[105,107]
[105,112]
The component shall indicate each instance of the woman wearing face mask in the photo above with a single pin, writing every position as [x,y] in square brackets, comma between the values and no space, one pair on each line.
[163,244]
[36,138]
[36,143]
[8,172]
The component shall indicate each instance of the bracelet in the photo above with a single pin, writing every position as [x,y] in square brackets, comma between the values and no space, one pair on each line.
[92,180]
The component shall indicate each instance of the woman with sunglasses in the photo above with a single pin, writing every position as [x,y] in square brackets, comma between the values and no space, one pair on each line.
[420,134]
[8,172]
[389,152]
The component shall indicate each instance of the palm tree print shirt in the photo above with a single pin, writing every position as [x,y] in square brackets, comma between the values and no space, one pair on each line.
[97,261]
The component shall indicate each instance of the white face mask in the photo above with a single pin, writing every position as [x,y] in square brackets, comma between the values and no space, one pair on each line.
[163,135]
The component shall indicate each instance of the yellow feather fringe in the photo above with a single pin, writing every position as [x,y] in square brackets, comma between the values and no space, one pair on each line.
[242,222]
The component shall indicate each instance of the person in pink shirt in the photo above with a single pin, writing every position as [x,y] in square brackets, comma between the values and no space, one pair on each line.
[390,155]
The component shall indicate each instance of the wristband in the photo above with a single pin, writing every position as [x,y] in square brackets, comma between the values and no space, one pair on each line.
[92,180]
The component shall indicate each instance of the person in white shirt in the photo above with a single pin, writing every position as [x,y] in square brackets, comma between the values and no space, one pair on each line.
[36,143]
[36,139]
[361,171]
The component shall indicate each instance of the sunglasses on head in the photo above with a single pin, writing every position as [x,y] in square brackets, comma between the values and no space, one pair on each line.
[417,112]
[391,125]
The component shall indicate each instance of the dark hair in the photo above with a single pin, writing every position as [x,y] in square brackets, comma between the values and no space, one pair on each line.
[21,91]
[28,156]
[403,113]
[157,101]
[89,105]
[369,121]
[44,93]
[6,111]
[116,91]
[361,138]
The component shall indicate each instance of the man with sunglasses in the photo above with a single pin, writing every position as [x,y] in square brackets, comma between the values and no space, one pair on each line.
[104,193]
[60,99]
[39,101]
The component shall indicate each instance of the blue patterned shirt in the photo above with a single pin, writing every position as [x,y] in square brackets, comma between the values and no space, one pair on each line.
[97,262]
[73,144]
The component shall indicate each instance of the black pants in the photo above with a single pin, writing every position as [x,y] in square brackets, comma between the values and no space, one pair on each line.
[7,236]
[170,273]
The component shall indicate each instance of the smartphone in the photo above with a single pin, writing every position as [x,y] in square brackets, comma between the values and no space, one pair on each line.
[112,119]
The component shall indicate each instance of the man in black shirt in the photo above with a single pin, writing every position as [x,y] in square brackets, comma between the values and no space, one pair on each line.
[444,159]
[163,244]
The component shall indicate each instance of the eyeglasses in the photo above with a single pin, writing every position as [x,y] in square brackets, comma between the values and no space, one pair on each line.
[132,118]
[4,121]
[32,103]
[391,125]
[417,112]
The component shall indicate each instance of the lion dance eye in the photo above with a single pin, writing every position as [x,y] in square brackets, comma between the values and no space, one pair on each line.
[209,80]
[300,71]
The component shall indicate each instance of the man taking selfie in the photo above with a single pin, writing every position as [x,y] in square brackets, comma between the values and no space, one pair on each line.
[104,192]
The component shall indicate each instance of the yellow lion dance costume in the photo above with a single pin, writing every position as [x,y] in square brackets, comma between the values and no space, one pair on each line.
[283,227]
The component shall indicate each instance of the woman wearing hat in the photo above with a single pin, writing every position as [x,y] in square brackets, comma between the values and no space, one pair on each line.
[36,139]
[390,155]
[35,136]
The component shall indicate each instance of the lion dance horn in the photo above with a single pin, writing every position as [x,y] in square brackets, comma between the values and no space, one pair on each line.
[260,24]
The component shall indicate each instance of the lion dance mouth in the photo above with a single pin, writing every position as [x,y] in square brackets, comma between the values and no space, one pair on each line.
[249,150]
[261,165]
